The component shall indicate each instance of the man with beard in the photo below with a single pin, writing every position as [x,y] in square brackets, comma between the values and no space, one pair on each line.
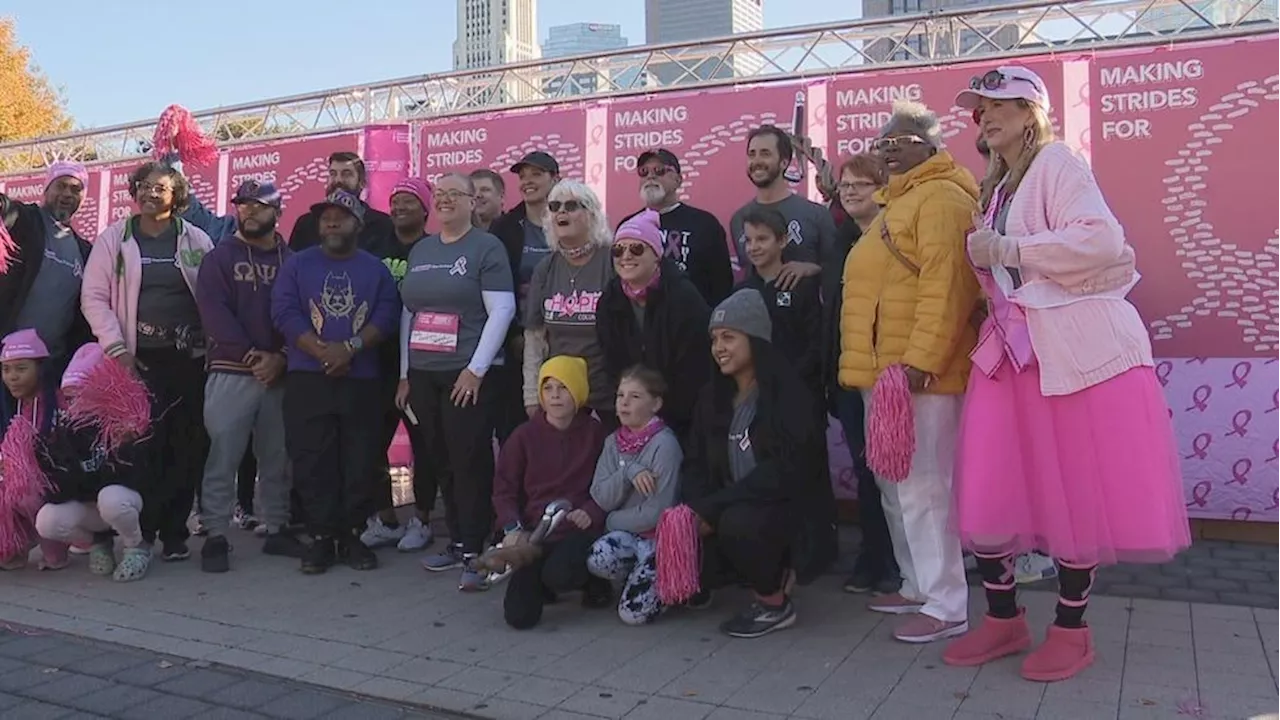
[41,289]
[246,363]
[490,193]
[692,237]
[346,172]
[333,303]
[811,232]
[525,240]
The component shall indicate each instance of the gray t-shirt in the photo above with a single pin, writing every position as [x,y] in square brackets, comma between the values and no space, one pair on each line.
[51,307]
[535,249]
[442,289]
[742,454]
[811,237]
[167,312]
[563,299]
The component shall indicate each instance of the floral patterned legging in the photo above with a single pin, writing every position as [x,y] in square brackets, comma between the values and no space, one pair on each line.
[625,557]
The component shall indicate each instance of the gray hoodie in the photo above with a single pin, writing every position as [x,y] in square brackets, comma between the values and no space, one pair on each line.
[612,489]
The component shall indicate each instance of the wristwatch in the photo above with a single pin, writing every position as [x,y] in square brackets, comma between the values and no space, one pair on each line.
[512,527]
[355,344]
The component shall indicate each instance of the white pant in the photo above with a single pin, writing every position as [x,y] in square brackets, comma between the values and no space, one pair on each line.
[117,509]
[918,511]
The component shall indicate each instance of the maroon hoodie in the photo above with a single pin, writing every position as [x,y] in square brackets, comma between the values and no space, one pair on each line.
[539,464]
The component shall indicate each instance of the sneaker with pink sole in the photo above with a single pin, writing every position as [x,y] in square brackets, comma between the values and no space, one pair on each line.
[921,628]
[894,604]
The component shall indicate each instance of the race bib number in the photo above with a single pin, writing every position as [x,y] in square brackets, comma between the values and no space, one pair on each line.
[434,332]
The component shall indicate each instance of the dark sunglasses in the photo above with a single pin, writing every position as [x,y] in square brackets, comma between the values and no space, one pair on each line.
[568,205]
[635,250]
[660,171]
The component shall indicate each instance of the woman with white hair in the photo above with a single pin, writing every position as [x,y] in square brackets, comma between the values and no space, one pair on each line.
[908,297]
[1066,445]
[560,309]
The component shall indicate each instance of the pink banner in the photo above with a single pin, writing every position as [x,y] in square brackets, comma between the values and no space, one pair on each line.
[30,189]
[299,168]
[706,130]
[496,141]
[116,201]
[387,157]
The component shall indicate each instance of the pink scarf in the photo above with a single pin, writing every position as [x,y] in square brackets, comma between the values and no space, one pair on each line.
[643,292]
[631,442]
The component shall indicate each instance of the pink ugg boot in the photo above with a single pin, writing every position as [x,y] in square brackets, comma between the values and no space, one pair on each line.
[53,555]
[994,638]
[1065,652]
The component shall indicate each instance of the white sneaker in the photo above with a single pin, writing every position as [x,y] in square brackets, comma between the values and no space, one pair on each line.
[377,534]
[1033,567]
[416,537]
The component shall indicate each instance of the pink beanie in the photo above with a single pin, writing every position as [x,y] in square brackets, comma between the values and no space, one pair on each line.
[23,345]
[645,228]
[85,359]
[420,189]
[66,168]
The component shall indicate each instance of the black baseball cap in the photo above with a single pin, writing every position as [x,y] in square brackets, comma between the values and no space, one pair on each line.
[662,155]
[540,160]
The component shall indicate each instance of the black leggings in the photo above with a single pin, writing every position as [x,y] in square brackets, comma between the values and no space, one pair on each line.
[752,545]
[562,568]
[179,444]
[391,420]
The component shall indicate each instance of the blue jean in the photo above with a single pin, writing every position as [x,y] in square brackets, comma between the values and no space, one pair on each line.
[876,557]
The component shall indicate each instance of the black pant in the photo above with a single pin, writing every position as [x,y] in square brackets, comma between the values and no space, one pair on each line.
[876,557]
[508,411]
[179,443]
[331,430]
[461,444]
[751,544]
[391,419]
[562,568]
[247,478]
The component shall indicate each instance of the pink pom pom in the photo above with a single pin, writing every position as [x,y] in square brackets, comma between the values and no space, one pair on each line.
[114,400]
[8,249]
[23,486]
[178,130]
[679,555]
[891,426]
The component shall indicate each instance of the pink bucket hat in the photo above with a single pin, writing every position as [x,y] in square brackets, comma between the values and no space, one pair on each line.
[645,228]
[23,345]
[66,168]
[84,360]
[416,187]
[1007,82]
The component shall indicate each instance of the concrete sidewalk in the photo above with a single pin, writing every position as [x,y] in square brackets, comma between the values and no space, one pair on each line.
[405,635]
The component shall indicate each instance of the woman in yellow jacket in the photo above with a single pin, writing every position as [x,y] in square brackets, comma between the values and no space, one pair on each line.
[908,296]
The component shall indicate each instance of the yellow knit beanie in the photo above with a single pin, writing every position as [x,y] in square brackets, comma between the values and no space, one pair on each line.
[572,371]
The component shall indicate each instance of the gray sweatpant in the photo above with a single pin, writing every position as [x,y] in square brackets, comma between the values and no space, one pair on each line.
[236,406]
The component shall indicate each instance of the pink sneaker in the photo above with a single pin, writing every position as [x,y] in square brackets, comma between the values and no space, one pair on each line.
[1065,652]
[921,628]
[994,638]
[894,604]
[53,555]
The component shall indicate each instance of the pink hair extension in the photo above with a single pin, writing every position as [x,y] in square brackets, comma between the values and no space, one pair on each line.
[679,555]
[891,426]
[8,249]
[178,130]
[114,400]
[23,485]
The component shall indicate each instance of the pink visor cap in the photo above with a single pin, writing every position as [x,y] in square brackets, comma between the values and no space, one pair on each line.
[23,345]
[1007,82]
[84,360]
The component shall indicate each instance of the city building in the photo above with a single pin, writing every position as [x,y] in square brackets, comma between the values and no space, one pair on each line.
[583,39]
[937,44]
[496,32]
[670,21]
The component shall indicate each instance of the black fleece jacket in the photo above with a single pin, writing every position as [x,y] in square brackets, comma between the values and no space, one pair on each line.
[79,466]
[28,232]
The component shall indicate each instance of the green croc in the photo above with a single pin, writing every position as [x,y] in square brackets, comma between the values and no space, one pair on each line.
[134,565]
[102,558]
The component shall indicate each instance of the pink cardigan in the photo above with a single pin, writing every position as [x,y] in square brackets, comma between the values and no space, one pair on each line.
[1076,271]
[113,281]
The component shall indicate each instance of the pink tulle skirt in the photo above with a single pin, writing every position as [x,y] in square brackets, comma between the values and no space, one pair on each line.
[1091,477]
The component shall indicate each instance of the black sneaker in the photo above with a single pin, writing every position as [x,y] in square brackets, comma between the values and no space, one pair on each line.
[213,555]
[759,620]
[701,600]
[319,557]
[283,544]
[861,581]
[358,555]
[175,551]
[597,594]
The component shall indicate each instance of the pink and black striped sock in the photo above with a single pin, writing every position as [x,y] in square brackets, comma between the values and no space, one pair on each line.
[1001,588]
[1074,583]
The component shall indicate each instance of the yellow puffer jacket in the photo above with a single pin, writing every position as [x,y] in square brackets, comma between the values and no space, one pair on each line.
[890,315]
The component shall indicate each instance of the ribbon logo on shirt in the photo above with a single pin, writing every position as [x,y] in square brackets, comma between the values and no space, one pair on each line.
[459,267]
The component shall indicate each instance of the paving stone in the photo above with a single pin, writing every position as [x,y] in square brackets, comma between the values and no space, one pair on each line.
[19,681]
[7,700]
[107,664]
[1190,594]
[113,699]
[251,693]
[1249,599]
[1245,575]
[65,686]
[150,673]
[1217,584]
[366,711]
[301,705]
[63,655]
[223,713]
[1132,590]
[29,645]
[35,710]
[198,683]
[166,706]
[1237,553]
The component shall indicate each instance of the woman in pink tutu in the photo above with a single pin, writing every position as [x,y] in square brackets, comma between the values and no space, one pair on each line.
[1065,445]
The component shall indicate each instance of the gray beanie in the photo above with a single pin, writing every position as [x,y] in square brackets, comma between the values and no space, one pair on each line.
[745,312]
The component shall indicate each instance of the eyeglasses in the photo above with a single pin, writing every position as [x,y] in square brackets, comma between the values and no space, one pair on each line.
[635,250]
[856,185]
[146,187]
[568,206]
[452,195]
[660,171]
[892,143]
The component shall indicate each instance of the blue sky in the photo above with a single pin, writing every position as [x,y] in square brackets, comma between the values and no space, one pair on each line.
[124,60]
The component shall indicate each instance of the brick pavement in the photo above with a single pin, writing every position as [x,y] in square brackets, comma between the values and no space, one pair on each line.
[404,635]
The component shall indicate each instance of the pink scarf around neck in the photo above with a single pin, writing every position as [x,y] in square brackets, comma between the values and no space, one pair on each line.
[642,292]
[631,441]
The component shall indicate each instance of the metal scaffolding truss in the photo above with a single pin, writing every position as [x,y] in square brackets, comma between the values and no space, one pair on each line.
[1006,30]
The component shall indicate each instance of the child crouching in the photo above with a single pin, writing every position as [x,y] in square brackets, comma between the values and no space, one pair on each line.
[637,477]
[99,484]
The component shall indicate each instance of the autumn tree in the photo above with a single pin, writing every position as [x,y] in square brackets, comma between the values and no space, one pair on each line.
[29,106]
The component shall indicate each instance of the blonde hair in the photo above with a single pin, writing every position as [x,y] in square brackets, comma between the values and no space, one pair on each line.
[1036,136]
[598,231]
